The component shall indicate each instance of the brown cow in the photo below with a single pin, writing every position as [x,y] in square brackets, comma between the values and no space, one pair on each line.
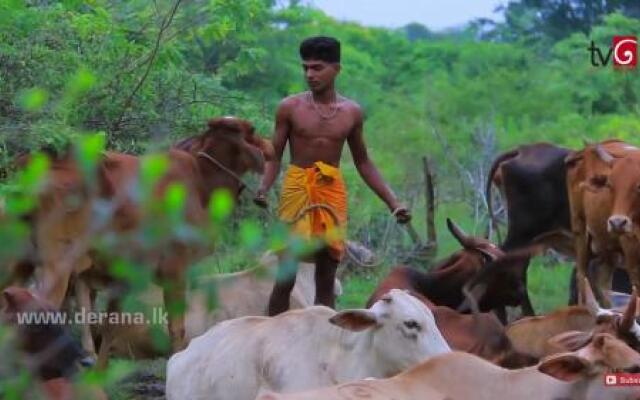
[481,334]
[461,376]
[532,335]
[591,205]
[622,188]
[66,220]
[443,283]
[496,274]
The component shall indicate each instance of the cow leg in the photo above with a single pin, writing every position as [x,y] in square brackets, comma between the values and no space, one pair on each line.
[55,276]
[604,278]
[631,260]
[85,305]
[582,255]
[107,337]
[525,304]
[285,281]
[174,295]
[325,276]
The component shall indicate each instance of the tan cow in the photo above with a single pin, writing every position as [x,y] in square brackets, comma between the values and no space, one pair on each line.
[239,294]
[591,202]
[304,349]
[567,376]
[532,335]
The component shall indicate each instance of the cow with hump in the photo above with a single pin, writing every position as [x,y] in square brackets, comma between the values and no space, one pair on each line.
[568,376]
[71,215]
[305,349]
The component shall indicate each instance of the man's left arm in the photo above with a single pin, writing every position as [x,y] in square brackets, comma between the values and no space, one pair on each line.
[370,173]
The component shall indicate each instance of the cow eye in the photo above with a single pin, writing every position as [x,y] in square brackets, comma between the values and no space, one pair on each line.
[412,324]
[386,299]
[599,181]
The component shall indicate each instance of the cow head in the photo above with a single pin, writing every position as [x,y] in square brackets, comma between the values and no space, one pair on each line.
[623,184]
[227,150]
[51,352]
[604,353]
[475,245]
[621,324]
[403,331]
[500,283]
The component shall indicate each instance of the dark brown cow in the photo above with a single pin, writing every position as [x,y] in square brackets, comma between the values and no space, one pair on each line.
[48,350]
[443,283]
[531,180]
[492,277]
[65,221]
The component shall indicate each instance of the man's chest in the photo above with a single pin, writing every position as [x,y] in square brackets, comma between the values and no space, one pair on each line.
[308,125]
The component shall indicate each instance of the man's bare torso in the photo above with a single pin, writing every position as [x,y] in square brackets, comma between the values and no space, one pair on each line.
[314,138]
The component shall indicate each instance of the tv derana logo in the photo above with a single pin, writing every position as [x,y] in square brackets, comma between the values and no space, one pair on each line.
[623,50]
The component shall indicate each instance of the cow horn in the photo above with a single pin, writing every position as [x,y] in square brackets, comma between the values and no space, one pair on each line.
[589,298]
[628,318]
[603,154]
[472,297]
[459,234]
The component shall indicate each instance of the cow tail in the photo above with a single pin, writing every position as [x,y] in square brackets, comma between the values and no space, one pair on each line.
[487,190]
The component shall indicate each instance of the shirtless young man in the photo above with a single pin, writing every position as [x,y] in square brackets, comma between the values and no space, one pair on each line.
[316,124]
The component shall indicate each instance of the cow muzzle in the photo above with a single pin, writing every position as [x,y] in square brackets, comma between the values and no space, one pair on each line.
[619,224]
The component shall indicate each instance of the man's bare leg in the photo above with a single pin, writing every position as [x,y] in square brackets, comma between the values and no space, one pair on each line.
[325,276]
[281,293]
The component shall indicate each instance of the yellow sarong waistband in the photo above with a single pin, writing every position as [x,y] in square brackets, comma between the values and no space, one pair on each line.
[319,184]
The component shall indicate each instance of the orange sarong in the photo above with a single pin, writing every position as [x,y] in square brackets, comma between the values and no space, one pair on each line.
[320,184]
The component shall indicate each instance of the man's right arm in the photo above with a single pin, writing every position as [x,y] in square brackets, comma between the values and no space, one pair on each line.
[279,141]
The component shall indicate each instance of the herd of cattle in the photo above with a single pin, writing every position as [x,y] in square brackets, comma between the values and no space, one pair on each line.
[436,335]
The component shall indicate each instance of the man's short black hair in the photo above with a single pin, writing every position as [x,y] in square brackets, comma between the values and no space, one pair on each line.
[321,48]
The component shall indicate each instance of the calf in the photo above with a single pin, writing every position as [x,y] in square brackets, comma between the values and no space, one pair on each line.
[304,349]
[239,294]
[571,376]
[532,335]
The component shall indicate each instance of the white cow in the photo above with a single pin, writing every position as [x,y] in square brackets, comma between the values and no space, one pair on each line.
[305,349]
[567,376]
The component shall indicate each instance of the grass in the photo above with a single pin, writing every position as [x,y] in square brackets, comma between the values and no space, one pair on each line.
[548,286]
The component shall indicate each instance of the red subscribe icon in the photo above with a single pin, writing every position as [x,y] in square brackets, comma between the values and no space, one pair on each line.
[622,379]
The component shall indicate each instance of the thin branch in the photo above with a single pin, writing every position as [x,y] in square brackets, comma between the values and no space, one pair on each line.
[163,27]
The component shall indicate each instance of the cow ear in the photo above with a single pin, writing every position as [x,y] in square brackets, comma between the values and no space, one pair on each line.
[566,367]
[9,304]
[569,341]
[355,320]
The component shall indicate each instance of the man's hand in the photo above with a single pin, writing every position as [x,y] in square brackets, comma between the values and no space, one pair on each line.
[261,199]
[402,214]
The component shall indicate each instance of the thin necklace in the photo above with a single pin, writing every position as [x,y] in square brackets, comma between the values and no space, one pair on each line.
[333,107]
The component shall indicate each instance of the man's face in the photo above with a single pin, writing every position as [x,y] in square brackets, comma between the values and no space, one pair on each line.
[319,74]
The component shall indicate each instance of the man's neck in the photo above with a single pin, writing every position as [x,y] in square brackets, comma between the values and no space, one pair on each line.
[326,96]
